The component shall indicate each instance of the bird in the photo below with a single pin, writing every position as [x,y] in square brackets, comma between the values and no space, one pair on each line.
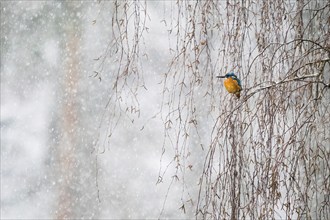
[232,84]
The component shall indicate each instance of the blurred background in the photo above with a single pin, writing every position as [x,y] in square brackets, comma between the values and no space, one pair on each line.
[51,112]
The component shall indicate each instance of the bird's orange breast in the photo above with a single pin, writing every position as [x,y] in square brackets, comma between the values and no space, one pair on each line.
[232,85]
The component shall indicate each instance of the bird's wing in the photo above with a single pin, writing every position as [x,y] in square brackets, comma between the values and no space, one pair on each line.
[238,81]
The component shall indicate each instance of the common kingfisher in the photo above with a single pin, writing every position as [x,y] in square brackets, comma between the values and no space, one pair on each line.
[232,84]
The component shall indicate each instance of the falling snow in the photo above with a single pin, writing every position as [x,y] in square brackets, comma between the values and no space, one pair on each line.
[72,149]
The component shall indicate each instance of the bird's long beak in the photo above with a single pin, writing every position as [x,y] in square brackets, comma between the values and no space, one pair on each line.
[221,76]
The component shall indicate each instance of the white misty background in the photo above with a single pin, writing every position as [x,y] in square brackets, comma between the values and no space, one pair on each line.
[111,109]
